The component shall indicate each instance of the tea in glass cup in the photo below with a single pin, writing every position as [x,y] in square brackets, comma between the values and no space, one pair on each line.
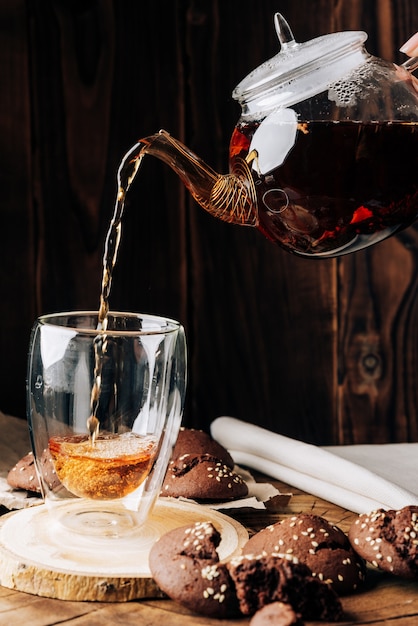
[105,404]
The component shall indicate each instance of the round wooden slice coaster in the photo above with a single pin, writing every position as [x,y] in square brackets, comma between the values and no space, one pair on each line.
[37,557]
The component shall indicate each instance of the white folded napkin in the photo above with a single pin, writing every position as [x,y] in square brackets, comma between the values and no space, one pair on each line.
[326,472]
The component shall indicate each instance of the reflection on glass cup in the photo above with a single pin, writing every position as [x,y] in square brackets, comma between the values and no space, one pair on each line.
[104,411]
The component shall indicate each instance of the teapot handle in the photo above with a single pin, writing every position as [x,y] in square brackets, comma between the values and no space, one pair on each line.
[411,64]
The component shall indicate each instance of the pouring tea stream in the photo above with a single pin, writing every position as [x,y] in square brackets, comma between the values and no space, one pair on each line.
[323,160]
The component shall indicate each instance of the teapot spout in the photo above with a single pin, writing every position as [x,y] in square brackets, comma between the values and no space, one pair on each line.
[230,198]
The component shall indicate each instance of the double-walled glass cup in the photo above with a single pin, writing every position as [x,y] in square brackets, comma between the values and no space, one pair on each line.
[104,410]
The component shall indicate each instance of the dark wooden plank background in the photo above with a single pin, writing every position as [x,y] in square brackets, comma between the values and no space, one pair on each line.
[322,350]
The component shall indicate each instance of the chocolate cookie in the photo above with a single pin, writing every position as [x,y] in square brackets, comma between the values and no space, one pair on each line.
[276,614]
[195,442]
[388,540]
[261,580]
[185,565]
[322,546]
[202,477]
[23,475]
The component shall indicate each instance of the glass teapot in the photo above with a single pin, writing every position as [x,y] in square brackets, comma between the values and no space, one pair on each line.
[324,158]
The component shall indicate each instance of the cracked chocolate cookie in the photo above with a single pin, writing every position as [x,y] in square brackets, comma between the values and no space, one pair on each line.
[202,469]
[388,540]
[261,580]
[204,478]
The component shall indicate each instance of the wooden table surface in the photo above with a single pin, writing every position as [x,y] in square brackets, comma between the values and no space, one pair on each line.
[384,600]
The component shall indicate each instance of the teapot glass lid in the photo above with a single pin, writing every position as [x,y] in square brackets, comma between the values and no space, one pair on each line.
[301,70]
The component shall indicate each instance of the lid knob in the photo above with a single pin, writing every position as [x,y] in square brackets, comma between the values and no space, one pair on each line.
[284,32]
